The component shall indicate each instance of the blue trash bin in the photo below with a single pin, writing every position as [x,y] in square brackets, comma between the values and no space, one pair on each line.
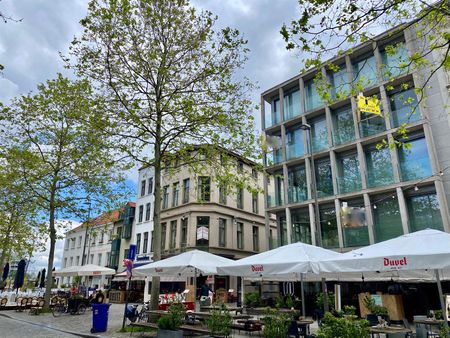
[100,317]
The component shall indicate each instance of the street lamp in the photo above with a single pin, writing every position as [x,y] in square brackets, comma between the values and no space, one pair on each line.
[318,228]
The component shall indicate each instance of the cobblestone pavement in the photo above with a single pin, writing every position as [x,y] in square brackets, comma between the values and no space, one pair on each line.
[72,323]
[10,328]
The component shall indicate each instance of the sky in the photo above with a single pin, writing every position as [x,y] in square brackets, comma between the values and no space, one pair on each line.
[30,48]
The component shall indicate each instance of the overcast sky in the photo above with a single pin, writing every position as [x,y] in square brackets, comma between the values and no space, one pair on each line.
[30,49]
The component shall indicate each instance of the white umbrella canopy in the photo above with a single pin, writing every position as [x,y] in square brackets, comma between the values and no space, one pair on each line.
[187,264]
[85,270]
[287,262]
[425,249]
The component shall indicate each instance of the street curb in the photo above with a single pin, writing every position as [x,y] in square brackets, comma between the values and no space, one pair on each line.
[83,335]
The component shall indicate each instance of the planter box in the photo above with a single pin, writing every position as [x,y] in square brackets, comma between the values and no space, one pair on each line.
[169,334]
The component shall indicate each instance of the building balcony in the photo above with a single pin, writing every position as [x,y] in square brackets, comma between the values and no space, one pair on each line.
[294,150]
[372,126]
[343,137]
[274,201]
[297,194]
[379,179]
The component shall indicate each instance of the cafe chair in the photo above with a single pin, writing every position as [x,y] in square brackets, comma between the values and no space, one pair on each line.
[372,319]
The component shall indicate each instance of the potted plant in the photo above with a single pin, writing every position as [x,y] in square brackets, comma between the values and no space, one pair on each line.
[219,323]
[344,327]
[168,325]
[378,310]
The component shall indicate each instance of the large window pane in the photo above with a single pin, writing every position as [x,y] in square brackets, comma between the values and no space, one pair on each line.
[388,223]
[301,227]
[404,108]
[297,184]
[395,61]
[274,154]
[312,99]
[323,178]
[424,212]
[292,104]
[343,127]
[203,231]
[282,225]
[414,160]
[295,145]
[273,117]
[365,72]
[354,225]
[319,134]
[349,178]
[340,87]
[328,226]
[379,166]
[279,187]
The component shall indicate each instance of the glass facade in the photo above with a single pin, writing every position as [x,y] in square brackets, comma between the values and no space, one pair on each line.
[379,166]
[328,227]
[395,61]
[319,134]
[282,225]
[423,211]
[292,107]
[365,72]
[414,160]
[324,180]
[404,107]
[279,188]
[354,225]
[297,191]
[387,220]
[343,126]
[312,99]
[273,117]
[274,154]
[371,124]
[340,87]
[349,178]
[301,229]
[295,145]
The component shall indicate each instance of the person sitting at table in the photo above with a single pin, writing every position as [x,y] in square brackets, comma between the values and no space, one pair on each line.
[73,291]
[99,297]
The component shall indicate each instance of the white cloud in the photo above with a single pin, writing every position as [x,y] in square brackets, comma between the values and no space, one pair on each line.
[8,90]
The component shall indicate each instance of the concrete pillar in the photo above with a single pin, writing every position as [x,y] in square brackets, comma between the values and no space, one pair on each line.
[431,149]
[263,113]
[386,108]
[312,222]
[281,94]
[333,163]
[288,225]
[266,214]
[369,218]
[377,55]
[308,176]
[403,210]
[394,159]
[356,117]
[337,206]
[443,206]
[362,165]
[329,122]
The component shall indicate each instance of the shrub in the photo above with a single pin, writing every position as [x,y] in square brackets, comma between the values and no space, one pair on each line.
[331,301]
[276,324]
[290,303]
[349,310]
[378,310]
[174,319]
[219,323]
[333,327]
[252,299]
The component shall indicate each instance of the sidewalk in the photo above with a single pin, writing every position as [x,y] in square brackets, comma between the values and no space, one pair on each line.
[77,324]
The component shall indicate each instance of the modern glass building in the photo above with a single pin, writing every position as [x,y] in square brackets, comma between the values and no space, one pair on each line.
[387,191]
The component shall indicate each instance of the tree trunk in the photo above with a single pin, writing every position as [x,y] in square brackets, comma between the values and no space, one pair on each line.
[157,215]
[52,232]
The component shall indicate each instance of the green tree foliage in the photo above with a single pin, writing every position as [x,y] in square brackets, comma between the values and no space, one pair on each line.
[172,75]
[328,28]
[20,223]
[51,139]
